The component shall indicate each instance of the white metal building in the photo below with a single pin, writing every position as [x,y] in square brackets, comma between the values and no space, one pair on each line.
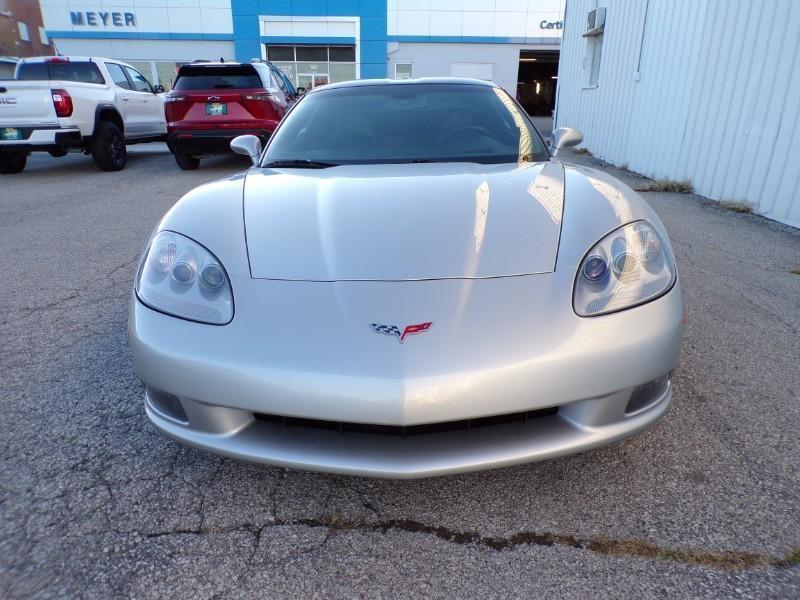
[706,92]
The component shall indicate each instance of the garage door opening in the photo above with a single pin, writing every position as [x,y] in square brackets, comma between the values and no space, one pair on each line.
[536,81]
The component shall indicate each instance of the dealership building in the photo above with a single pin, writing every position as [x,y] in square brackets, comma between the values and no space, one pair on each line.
[512,42]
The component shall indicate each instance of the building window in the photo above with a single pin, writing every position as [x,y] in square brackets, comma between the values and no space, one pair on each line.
[595,53]
[24,34]
[594,44]
[403,71]
[4,7]
[43,37]
[311,66]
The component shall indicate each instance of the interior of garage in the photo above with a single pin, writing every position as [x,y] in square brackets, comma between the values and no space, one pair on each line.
[536,81]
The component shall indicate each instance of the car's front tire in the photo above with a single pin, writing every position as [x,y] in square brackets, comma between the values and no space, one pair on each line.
[13,161]
[187,162]
[108,147]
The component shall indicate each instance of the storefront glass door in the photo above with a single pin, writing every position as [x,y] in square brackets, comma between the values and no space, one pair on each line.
[312,80]
[313,66]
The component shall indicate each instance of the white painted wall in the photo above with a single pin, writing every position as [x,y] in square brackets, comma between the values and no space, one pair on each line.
[707,92]
[474,18]
[300,26]
[160,50]
[474,60]
[151,16]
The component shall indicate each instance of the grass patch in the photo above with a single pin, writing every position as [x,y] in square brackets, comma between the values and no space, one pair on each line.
[666,185]
[583,151]
[735,206]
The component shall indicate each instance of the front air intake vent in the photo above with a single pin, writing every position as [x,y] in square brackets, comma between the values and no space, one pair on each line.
[411,430]
[166,405]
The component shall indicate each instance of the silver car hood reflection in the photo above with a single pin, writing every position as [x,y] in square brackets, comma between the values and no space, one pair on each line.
[403,221]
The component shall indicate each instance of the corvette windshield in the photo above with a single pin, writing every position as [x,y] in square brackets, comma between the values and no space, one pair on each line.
[396,123]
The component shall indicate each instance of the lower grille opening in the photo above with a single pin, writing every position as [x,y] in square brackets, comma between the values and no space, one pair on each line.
[167,404]
[646,394]
[410,430]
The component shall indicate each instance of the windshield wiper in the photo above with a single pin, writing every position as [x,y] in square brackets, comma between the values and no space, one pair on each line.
[299,163]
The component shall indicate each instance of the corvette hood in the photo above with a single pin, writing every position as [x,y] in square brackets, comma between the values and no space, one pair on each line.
[403,222]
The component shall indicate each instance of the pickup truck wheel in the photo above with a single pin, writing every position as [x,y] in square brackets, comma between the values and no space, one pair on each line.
[108,147]
[12,162]
[187,162]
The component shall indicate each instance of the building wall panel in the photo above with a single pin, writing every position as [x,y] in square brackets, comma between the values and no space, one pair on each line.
[701,91]
[439,60]
[479,21]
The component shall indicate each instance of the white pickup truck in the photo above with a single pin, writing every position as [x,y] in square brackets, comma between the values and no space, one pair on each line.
[60,104]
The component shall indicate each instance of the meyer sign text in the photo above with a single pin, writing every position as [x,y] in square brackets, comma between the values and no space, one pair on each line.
[103,18]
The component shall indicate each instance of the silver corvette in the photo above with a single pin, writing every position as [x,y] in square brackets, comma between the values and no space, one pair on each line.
[406,283]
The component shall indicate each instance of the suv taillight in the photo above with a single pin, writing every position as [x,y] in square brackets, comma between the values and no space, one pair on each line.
[257,97]
[62,102]
[175,107]
[260,105]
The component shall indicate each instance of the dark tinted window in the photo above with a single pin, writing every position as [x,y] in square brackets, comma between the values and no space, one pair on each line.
[280,52]
[217,78]
[283,81]
[287,82]
[118,76]
[312,53]
[407,123]
[343,54]
[140,83]
[276,75]
[33,71]
[85,72]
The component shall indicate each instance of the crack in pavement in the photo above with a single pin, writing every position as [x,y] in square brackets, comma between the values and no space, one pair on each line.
[25,312]
[729,560]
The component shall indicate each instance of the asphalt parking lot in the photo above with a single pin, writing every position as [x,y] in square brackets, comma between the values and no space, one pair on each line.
[93,502]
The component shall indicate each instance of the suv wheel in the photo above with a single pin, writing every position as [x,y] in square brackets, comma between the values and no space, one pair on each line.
[12,162]
[108,147]
[187,162]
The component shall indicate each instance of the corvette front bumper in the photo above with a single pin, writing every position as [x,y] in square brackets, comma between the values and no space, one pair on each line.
[289,361]
[573,429]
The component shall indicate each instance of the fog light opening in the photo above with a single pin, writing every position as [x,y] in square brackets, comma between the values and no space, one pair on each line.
[647,394]
[167,405]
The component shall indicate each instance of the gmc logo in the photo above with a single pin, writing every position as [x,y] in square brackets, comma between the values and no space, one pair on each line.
[8,100]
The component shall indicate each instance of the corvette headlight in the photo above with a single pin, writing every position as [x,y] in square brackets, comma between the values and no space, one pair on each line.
[181,278]
[630,266]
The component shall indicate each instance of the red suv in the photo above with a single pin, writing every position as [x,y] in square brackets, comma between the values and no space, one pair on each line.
[212,103]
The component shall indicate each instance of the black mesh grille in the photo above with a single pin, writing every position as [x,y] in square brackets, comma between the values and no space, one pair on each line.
[411,430]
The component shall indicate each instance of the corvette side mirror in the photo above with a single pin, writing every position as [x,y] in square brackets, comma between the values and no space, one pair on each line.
[301,91]
[564,137]
[248,145]
[158,89]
